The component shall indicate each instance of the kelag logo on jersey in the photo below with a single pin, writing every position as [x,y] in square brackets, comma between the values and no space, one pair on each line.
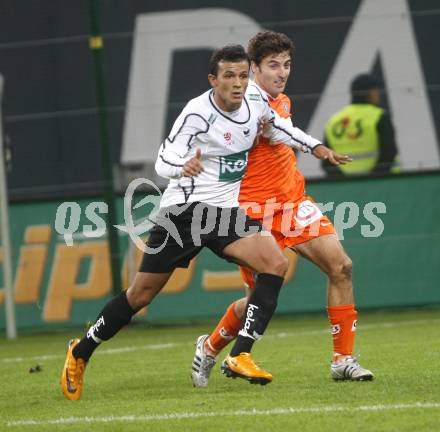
[233,167]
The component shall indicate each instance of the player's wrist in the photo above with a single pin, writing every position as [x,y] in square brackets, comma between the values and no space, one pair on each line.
[319,144]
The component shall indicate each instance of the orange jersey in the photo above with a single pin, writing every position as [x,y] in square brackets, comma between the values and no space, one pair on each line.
[272,173]
[271,170]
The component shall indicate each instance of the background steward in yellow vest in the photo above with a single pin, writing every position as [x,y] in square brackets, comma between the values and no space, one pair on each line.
[363,131]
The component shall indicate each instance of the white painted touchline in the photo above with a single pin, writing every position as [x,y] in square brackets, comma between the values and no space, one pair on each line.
[138,348]
[252,412]
[391,324]
[103,351]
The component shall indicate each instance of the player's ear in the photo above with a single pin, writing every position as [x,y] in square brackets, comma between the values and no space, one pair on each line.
[254,67]
[212,80]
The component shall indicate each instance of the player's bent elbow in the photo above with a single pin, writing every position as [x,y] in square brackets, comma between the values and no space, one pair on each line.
[159,168]
[166,171]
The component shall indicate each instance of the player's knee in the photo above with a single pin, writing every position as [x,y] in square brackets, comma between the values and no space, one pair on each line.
[140,295]
[271,261]
[279,265]
[342,269]
[347,267]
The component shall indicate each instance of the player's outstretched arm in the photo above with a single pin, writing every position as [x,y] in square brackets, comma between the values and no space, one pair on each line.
[282,130]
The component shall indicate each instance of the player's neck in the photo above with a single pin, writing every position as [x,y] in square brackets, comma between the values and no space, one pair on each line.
[272,95]
[224,105]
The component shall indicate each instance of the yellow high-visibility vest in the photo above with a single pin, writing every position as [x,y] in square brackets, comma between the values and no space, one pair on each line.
[353,131]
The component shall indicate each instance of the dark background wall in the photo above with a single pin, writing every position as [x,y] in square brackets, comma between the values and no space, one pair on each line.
[49,103]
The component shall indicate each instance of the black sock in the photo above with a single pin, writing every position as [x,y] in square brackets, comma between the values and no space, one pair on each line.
[116,314]
[259,310]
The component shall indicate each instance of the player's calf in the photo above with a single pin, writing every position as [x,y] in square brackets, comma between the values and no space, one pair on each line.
[116,314]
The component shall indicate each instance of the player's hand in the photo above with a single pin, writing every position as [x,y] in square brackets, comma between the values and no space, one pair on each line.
[324,153]
[193,167]
[262,126]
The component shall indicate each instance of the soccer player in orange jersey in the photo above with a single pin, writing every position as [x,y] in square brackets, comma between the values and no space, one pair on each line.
[275,184]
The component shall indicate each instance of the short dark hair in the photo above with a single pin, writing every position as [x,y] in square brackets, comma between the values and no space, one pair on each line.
[231,53]
[361,85]
[268,42]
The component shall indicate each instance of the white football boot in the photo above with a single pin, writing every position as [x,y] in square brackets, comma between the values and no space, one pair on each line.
[350,370]
[202,364]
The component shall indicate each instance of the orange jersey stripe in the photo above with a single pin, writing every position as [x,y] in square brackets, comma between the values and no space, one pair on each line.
[271,170]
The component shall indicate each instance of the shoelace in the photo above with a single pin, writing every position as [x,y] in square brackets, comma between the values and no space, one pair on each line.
[352,367]
[249,360]
[353,360]
[207,363]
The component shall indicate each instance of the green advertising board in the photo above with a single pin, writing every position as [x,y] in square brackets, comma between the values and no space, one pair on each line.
[389,228]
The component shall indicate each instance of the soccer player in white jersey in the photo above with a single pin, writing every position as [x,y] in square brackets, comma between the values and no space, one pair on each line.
[205,157]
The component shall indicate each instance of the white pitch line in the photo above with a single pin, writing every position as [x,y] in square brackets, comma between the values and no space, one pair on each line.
[252,412]
[139,348]
[391,324]
[103,351]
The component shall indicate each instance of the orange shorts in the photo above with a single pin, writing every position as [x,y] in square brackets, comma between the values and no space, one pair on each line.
[293,224]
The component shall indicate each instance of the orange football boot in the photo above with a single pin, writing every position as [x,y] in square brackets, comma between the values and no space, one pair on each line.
[73,373]
[242,366]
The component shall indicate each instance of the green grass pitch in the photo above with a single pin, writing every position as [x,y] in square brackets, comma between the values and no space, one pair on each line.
[140,381]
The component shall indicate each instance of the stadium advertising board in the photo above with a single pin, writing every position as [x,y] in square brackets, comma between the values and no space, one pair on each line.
[63,277]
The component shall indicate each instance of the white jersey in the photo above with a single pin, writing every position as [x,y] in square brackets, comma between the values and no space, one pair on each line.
[224,139]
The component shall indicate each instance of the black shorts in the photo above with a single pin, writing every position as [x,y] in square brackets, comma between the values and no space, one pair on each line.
[177,238]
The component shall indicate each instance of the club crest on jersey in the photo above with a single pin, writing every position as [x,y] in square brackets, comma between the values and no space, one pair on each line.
[233,166]
[227,136]
[286,106]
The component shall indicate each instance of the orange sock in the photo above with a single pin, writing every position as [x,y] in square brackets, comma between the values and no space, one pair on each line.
[226,330]
[343,320]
